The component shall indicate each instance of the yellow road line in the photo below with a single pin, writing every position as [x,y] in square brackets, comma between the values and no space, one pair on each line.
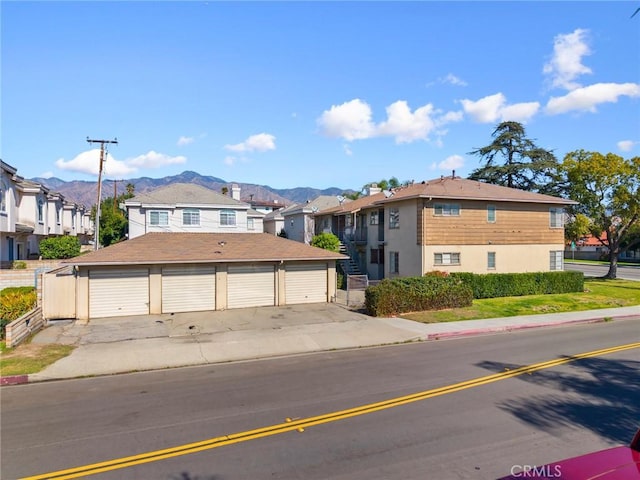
[279,428]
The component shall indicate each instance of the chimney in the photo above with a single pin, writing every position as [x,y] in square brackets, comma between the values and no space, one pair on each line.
[453,174]
[373,188]
[235,191]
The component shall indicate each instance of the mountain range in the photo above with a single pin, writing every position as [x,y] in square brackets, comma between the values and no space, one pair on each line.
[85,192]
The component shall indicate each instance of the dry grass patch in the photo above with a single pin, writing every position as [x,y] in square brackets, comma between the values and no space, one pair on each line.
[31,358]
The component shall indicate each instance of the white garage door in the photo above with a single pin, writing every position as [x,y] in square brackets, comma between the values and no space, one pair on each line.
[250,286]
[116,293]
[188,289]
[305,283]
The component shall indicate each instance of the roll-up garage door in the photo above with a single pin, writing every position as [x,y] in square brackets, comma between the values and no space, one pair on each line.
[250,286]
[188,289]
[117,293]
[305,283]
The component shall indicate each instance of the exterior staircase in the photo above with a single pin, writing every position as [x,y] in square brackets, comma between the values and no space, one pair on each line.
[349,266]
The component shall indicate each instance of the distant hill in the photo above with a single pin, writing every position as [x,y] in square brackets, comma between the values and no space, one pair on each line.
[86,193]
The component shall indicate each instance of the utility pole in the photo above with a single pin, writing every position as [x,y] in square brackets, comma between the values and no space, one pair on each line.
[96,237]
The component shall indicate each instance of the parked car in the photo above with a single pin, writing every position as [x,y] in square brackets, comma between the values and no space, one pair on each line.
[617,463]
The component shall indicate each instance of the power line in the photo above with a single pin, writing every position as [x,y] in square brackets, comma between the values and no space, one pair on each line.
[96,239]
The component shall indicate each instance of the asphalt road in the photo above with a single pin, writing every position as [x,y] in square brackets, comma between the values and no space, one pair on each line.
[476,430]
[600,270]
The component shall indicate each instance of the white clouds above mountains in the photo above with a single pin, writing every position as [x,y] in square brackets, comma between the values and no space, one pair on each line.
[261,142]
[89,163]
[352,120]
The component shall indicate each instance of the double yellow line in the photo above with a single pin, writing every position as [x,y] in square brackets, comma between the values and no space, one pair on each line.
[301,424]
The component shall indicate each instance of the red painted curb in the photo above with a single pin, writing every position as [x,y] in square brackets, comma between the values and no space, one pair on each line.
[509,328]
[14,380]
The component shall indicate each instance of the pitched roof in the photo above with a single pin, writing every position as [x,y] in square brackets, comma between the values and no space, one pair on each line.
[184,194]
[354,205]
[321,202]
[164,248]
[456,188]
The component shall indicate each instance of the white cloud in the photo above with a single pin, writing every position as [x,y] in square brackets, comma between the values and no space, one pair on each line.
[46,175]
[451,163]
[405,126]
[347,150]
[261,142]
[230,160]
[453,80]
[587,98]
[626,145]
[493,108]
[566,62]
[185,141]
[89,162]
[351,121]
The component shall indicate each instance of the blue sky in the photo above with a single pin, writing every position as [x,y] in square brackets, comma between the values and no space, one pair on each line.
[317,94]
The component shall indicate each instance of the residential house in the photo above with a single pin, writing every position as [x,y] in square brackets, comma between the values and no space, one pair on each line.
[186,207]
[164,273]
[30,212]
[274,222]
[265,206]
[455,225]
[299,221]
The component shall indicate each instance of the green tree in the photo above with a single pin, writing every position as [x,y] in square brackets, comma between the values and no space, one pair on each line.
[328,241]
[113,221]
[524,165]
[607,188]
[577,227]
[60,247]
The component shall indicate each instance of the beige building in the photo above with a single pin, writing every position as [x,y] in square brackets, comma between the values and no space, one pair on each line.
[163,273]
[451,224]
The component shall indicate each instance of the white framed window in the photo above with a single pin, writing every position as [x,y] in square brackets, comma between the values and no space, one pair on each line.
[58,215]
[3,198]
[394,262]
[556,217]
[449,258]
[191,217]
[446,209]
[228,218]
[556,260]
[491,260]
[491,213]
[373,218]
[158,218]
[40,210]
[250,224]
[394,218]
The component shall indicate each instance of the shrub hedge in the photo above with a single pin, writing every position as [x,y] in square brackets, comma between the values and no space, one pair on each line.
[15,302]
[492,285]
[412,294]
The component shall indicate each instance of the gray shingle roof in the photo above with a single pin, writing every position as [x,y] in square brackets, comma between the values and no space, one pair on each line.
[165,248]
[184,194]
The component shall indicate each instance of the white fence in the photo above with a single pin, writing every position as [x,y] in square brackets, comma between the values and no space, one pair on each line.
[20,329]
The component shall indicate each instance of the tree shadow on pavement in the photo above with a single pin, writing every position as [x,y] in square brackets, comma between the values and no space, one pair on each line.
[598,394]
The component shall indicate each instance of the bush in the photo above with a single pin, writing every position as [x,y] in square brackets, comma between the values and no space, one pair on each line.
[493,285]
[412,294]
[60,247]
[15,302]
[327,241]
[19,265]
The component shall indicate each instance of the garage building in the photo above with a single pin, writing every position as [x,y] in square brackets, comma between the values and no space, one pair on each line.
[182,272]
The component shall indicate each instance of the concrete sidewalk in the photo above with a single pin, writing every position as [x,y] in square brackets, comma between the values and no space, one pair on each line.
[112,345]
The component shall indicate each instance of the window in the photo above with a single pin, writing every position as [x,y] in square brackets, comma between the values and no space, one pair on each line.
[159,219]
[373,218]
[58,215]
[40,210]
[228,218]
[191,217]
[374,255]
[556,217]
[446,258]
[394,262]
[491,213]
[394,218]
[250,225]
[556,260]
[348,221]
[3,198]
[491,260]
[446,209]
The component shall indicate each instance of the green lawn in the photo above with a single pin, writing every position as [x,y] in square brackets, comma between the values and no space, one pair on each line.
[598,294]
[30,358]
